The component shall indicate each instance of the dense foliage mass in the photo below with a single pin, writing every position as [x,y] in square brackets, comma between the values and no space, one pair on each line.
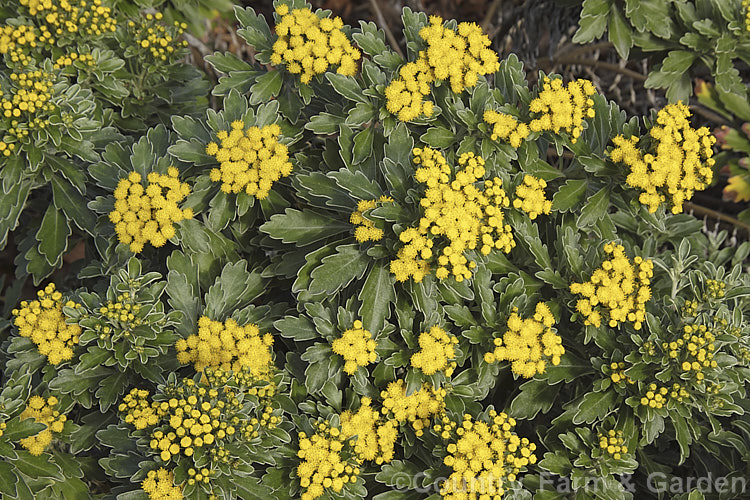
[363,275]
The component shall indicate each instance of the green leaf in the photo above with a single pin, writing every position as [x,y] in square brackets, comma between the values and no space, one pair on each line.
[363,142]
[438,137]
[338,270]
[72,204]
[233,289]
[678,61]
[265,87]
[53,235]
[19,429]
[250,488]
[377,295]
[536,396]
[593,21]
[303,227]
[594,209]
[569,195]
[297,328]
[37,466]
[594,406]
[8,480]
[620,32]
[324,124]
[316,375]
[347,86]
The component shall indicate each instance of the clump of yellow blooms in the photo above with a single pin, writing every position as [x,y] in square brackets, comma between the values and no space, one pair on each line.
[457,210]
[375,437]
[563,107]
[436,350]
[192,415]
[417,408]
[43,321]
[309,44]
[459,56]
[159,484]
[483,455]
[30,97]
[746,12]
[530,197]
[6,149]
[323,466]
[147,215]
[694,351]
[64,17]
[121,313]
[137,410]
[160,40]
[619,288]
[506,127]
[714,289]
[229,346]
[656,396]
[612,443]
[617,374]
[529,344]
[356,346]
[251,160]
[69,59]
[365,228]
[673,167]
[43,412]
[19,41]
[3,426]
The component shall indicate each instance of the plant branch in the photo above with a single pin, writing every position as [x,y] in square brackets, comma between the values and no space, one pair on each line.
[701,210]
[596,64]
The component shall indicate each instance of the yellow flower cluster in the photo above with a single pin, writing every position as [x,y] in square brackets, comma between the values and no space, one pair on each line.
[714,289]
[323,467]
[6,149]
[147,215]
[459,56]
[159,40]
[121,313]
[436,350]
[619,287]
[694,351]
[746,12]
[356,346]
[19,41]
[30,97]
[484,456]
[309,44]
[673,168]
[159,484]
[72,16]
[612,443]
[3,426]
[374,438]
[203,475]
[466,216]
[43,412]
[618,373]
[417,408]
[68,60]
[196,415]
[506,127]
[137,410]
[529,344]
[229,346]
[530,197]
[43,321]
[563,107]
[656,397]
[366,230]
[251,161]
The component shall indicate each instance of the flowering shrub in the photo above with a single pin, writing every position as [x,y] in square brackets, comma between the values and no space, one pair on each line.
[362,276]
